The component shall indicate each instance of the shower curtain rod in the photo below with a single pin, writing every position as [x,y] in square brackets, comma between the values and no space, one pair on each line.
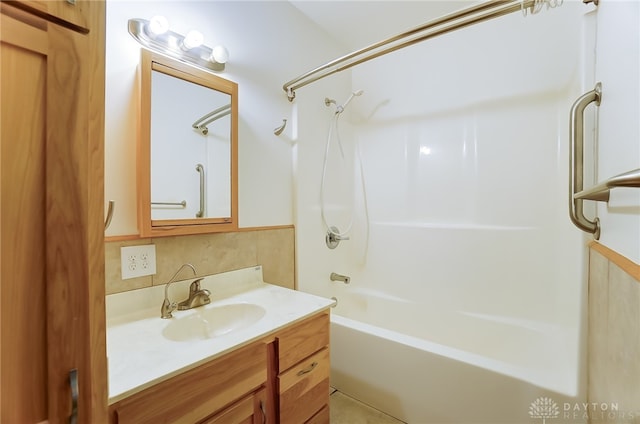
[451,22]
[215,115]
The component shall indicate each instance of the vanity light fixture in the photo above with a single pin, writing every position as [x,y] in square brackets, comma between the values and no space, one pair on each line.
[219,54]
[192,40]
[155,35]
[158,25]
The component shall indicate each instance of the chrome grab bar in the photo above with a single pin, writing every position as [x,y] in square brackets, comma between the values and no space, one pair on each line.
[183,203]
[576,161]
[200,169]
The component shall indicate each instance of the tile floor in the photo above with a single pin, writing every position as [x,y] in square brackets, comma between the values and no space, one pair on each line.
[346,410]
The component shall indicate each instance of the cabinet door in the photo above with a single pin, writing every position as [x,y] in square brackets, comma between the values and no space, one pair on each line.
[200,392]
[52,231]
[249,410]
[75,12]
[23,325]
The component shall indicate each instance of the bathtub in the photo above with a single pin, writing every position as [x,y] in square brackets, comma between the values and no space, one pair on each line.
[455,323]
[479,368]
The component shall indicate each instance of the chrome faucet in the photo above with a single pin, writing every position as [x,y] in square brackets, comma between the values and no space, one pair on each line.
[340,277]
[168,306]
[197,297]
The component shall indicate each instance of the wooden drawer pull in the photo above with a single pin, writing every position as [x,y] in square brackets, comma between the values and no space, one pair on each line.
[308,369]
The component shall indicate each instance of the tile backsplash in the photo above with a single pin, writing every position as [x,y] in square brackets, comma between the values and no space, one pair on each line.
[273,248]
[614,337]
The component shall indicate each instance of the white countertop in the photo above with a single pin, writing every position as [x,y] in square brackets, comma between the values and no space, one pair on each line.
[140,356]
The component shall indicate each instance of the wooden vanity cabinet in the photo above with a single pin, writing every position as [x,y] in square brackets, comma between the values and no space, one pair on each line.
[303,368]
[283,378]
[227,390]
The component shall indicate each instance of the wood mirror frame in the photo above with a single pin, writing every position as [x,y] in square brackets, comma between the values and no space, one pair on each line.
[148,227]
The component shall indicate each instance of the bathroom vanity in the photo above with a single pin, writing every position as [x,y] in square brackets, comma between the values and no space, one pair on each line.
[238,366]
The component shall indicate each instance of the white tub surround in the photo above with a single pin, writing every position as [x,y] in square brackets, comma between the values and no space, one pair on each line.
[140,356]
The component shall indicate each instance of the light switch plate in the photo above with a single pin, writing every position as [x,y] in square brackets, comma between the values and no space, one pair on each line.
[138,261]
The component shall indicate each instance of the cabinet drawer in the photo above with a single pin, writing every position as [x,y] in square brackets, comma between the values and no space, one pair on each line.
[198,393]
[302,340]
[304,389]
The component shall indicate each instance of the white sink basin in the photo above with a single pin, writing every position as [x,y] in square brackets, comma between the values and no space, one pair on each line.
[211,322]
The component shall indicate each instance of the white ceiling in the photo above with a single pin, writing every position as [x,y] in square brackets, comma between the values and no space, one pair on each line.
[359,23]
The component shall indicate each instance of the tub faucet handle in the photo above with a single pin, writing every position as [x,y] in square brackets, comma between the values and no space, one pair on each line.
[333,237]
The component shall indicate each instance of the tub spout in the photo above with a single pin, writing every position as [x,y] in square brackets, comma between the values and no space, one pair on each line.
[339,277]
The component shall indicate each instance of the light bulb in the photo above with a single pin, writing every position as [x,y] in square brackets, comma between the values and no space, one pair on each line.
[158,25]
[192,40]
[220,54]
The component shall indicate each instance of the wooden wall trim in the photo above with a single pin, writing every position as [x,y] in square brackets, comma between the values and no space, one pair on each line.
[272,227]
[131,237]
[627,265]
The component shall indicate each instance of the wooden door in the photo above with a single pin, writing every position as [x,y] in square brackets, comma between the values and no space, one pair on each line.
[51,220]
[24,51]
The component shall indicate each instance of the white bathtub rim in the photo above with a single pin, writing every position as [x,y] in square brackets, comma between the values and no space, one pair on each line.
[546,379]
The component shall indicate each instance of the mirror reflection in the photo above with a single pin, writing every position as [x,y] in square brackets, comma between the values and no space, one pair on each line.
[190,150]
[187,149]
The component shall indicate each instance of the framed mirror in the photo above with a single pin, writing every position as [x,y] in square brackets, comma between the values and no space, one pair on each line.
[187,149]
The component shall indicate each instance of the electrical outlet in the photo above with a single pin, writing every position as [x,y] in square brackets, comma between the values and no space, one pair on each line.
[138,261]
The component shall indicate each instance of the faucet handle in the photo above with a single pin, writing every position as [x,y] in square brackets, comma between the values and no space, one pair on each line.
[167,308]
[195,286]
[334,237]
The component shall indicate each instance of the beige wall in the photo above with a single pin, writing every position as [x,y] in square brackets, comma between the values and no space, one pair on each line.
[614,334]
[273,248]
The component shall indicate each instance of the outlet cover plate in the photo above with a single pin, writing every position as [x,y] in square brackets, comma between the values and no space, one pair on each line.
[138,261]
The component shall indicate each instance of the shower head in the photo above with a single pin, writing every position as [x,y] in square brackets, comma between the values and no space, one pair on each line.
[340,109]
